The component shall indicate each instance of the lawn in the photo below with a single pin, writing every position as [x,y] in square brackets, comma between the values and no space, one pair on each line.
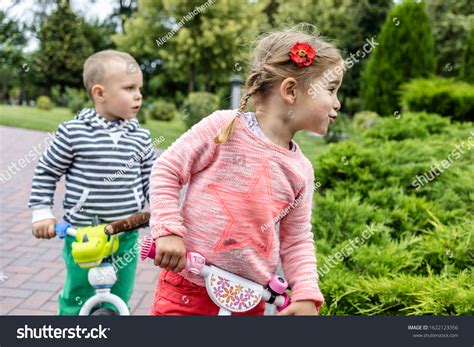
[32,118]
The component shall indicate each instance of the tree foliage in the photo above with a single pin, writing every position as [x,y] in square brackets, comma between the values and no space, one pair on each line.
[405,51]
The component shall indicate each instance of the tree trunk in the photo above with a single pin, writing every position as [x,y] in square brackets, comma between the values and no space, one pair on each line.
[192,75]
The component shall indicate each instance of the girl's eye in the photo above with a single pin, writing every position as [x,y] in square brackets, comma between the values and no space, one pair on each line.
[129,88]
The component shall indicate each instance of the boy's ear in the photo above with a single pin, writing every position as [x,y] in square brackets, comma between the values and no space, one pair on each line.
[288,89]
[97,92]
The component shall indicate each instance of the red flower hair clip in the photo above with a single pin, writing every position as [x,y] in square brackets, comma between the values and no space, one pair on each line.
[302,54]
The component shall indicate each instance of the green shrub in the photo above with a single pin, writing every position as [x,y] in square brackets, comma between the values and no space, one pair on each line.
[338,131]
[162,110]
[364,119]
[77,99]
[352,105]
[44,103]
[419,256]
[58,98]
[141,117]
[408,126]
[197,106]
[348,293]
[439,95]
[405,51]
[14,93]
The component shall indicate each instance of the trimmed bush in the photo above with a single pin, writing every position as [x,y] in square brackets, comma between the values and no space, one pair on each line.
[338,131]
[162,110]
[364,120]
[197,106]
[77,100]
[417,259]
[405,51]
[444,96]
[408,126]
[43,102]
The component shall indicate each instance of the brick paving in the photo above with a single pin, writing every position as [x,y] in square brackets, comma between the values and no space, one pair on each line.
[32,270]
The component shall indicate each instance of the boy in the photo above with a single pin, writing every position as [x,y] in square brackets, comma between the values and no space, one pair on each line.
[107,159]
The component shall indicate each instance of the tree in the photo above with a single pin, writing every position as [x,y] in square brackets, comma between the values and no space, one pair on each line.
[452,21]
[99,34]
[467,70]
[12,42]
[122,13]
[192,42]
[368,17]
[405,51]
[63,48]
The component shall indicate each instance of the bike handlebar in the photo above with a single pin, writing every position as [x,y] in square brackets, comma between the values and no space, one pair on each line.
[63,229]
[135,221]
[196,264]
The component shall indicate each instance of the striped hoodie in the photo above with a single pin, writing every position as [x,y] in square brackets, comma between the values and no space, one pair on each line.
[107,165]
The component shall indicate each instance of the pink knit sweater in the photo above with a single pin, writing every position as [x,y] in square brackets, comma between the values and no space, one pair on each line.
[238,194]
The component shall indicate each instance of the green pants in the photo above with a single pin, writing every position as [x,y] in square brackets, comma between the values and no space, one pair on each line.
[76,286]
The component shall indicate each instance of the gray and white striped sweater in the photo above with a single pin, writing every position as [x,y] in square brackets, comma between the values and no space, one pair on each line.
[107,167]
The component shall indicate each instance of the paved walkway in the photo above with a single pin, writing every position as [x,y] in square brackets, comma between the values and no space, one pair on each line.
[32,270]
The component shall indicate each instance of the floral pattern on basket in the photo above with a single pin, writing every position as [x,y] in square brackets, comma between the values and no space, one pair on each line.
[233,296]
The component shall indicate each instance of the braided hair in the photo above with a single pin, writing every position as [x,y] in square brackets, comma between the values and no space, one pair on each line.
[272,64]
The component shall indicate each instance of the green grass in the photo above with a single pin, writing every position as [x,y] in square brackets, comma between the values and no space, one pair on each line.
[33,118]
[169,130]
[312,146]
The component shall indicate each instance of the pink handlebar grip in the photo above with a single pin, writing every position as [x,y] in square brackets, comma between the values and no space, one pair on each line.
[194,261]
[148,248]
[286,304]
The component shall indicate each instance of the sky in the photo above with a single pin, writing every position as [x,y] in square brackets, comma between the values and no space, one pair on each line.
[90,9]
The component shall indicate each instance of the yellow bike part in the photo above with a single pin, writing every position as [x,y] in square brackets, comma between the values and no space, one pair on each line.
[92,245]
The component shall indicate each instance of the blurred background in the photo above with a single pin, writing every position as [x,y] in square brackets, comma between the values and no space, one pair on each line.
[407,106]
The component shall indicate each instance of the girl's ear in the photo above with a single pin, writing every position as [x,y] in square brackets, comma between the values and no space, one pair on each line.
[97,92]
[288,89]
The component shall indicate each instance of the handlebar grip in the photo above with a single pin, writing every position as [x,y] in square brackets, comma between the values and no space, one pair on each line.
[135,221]
[60,229]
[147,249]
[287,302]
[194,261]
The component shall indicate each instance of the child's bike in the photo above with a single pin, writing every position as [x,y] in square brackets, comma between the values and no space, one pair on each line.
[220,282]
[93,249]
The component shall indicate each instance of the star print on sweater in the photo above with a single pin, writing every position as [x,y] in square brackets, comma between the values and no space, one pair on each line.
[247,212]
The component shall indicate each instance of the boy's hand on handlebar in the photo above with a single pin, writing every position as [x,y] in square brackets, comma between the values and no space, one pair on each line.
[170,253]
[300,308]
[44,229]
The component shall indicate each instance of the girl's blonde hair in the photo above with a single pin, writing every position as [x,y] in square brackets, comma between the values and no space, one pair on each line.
[271,64]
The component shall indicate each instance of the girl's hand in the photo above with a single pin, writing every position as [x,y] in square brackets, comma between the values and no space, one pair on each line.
[300,308]
[170,253]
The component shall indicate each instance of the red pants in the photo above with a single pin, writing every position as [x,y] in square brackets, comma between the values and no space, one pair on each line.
[176,296]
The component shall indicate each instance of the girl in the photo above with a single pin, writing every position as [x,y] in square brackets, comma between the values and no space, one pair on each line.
[250,191]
